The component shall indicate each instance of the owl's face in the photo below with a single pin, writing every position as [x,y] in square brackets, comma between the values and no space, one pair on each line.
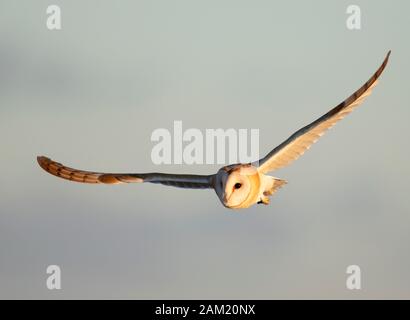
[237,186]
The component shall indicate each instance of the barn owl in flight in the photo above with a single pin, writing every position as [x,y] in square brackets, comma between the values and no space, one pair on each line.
[237,185]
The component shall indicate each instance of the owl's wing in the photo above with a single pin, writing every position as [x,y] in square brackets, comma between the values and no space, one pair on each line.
[301,140]
[175,180]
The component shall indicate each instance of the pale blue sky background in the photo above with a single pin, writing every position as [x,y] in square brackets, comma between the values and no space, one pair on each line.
[91,94]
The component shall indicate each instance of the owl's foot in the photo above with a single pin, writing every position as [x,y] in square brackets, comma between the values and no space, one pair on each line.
[264,200]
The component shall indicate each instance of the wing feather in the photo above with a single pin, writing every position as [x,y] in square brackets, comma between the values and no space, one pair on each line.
[296,145]
[175,180]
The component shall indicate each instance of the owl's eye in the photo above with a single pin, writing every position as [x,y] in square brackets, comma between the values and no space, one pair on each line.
[237,185]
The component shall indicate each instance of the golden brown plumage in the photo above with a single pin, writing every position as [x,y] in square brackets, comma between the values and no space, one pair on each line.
[238,185]
[296,145]
[176,180]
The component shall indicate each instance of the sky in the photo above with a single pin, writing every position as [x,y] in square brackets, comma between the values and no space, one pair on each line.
[91,94]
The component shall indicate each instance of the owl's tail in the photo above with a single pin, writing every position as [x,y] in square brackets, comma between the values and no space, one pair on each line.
[271,185]
[274,185]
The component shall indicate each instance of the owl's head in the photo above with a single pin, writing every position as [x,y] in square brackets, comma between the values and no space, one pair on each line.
[237,186]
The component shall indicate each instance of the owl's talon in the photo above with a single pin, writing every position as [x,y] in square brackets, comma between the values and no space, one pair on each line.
[264,201]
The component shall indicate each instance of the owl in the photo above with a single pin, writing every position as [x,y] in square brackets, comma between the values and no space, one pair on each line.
[240,185]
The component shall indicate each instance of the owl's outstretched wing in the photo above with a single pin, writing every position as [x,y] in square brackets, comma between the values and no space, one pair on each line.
[301,140]
[175,180]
